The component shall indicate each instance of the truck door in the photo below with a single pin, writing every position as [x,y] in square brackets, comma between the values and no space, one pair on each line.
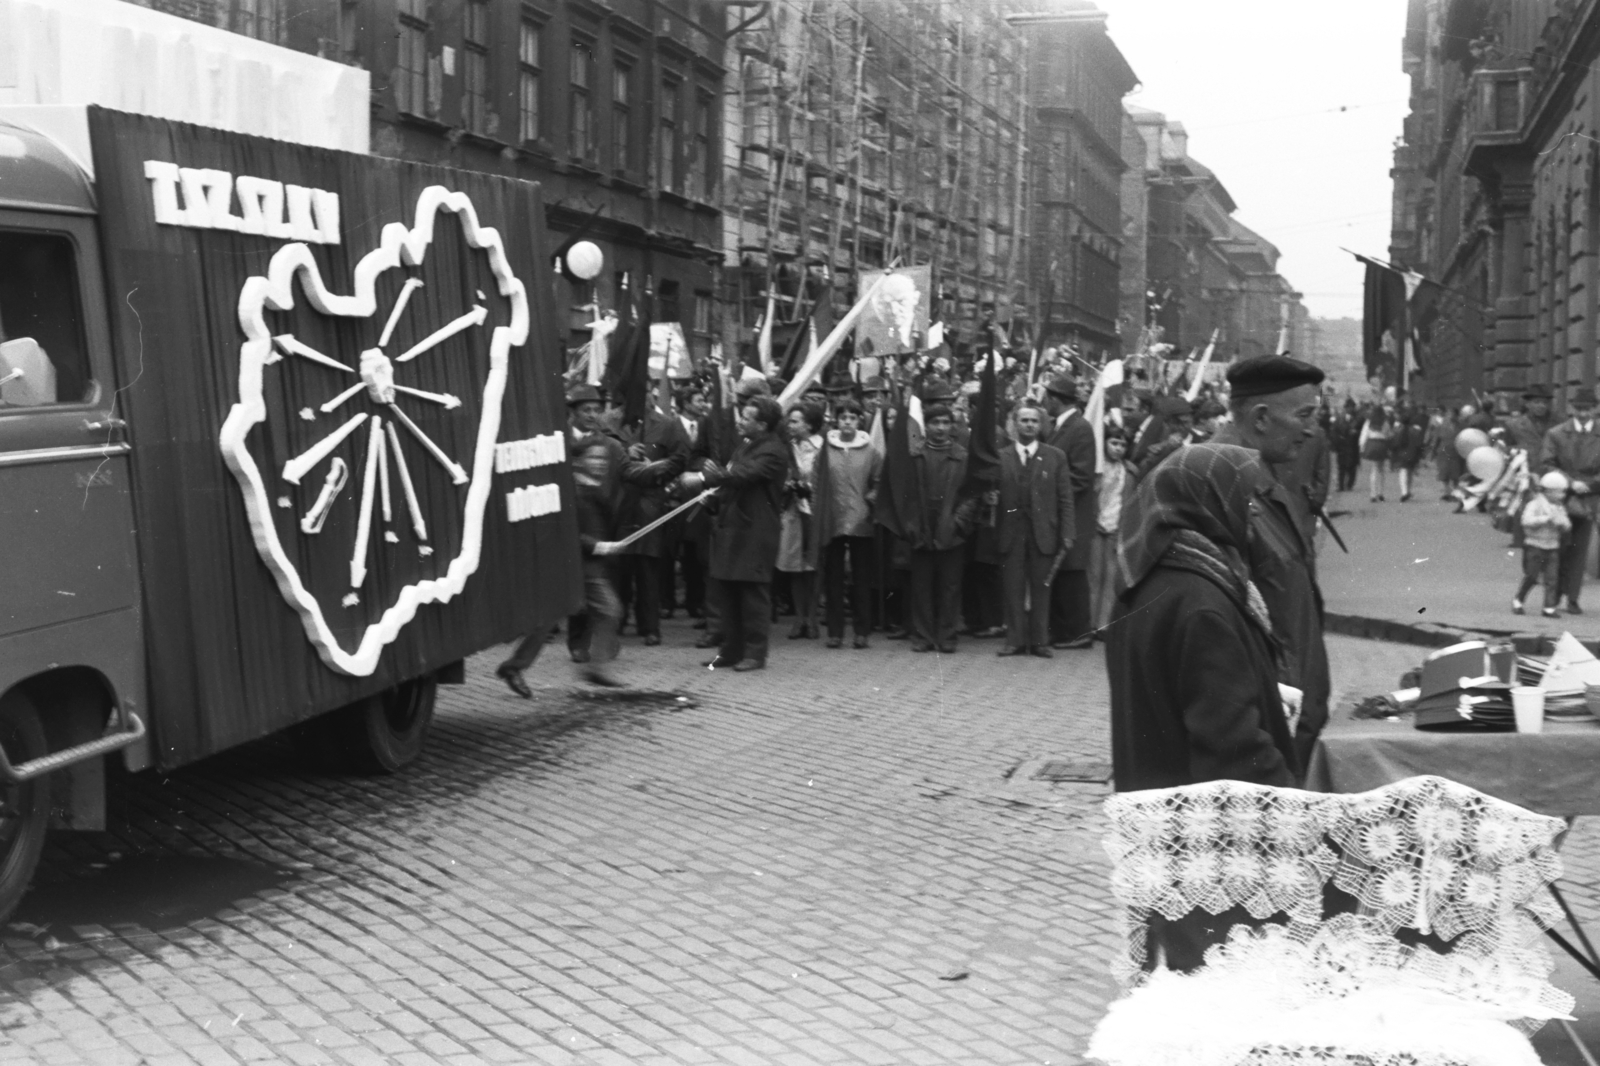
[67,550]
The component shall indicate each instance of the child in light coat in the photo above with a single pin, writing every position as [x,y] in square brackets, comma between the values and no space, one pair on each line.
[1544,522]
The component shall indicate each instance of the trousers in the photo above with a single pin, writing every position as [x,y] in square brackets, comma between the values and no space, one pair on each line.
[639,578]
[746,611]
[1102,578]
[1574,553]
[858,550]
[593,630]
[1025,575]
[936,595]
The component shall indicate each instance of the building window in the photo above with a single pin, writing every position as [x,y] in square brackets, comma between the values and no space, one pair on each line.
[667,306]
[622,118]
[261,19]
[667,172]
[702,168]
[530,50]
[581,117]
[702,312]
[475,66]
[411,66]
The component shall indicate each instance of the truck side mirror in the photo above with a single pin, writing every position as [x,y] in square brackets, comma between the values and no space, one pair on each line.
[27,376]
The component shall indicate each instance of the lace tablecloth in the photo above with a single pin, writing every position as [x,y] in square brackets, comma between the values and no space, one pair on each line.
[1553,772]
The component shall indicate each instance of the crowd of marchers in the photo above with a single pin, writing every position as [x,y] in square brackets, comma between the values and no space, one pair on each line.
[1036,516]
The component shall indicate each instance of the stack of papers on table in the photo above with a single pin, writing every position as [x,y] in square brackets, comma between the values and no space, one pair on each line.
[1467,686]
[1571,668]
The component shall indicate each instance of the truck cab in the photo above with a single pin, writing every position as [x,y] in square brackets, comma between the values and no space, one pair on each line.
[71,647]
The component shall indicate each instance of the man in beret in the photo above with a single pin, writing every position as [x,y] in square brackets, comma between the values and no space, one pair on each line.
[1573,447]
[1274,406]
[1071,620]
[1527,429]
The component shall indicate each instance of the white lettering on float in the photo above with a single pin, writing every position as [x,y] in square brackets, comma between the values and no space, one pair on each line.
[532,501]
[513,455]
[266,208]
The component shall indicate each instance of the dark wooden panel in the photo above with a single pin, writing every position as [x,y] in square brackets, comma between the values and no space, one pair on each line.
[230,659]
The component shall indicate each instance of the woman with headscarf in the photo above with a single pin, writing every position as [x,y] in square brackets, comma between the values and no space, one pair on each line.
[1189,654]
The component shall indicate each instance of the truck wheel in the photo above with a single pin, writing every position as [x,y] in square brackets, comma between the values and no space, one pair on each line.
[24,808]
[383,733]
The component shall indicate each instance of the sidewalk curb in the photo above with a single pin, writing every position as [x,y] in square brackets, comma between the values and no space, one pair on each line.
[1432,635]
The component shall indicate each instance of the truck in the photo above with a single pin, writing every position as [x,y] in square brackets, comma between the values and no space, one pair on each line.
[282,443]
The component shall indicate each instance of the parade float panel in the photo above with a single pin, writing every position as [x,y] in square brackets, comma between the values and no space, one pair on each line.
[342,385]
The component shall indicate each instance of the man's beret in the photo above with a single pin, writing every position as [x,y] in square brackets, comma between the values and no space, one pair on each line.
[1536,392]
[937,409]
[874,384]
[937,392]
[1173,406]
[1268,374]
[583,394]
[1063,385]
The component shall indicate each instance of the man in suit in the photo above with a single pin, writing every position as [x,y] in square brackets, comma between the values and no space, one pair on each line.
[657,451]
[1139,423]
[745,532]
[1573,447]
[1037,524]
[1071,625]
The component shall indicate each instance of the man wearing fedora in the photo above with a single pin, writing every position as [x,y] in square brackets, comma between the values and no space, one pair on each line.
[1071,621]
[1573,447]
[1527,429]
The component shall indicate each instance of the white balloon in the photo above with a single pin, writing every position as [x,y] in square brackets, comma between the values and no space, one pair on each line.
[585,259]
[1469,441]
[1486,463]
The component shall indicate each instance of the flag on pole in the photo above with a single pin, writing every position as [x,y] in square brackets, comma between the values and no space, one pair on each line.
[1200,372]
[764,334]
[823,352]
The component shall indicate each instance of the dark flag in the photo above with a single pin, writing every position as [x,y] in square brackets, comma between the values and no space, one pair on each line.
[628,372]
[1382,308]
[899,505]
[983,457]
[722,433]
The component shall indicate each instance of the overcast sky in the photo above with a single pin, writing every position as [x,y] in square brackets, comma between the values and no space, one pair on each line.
[1260,85]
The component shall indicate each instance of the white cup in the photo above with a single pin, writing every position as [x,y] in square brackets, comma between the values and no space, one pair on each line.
[1527,703]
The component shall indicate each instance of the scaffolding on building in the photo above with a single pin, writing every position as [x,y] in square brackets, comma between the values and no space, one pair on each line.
[864,134]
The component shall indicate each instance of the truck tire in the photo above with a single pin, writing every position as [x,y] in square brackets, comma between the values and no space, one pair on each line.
[24,808]
[384,733]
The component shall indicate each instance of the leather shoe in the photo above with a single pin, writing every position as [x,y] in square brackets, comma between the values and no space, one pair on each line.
[580,656]
[896,633]
[708,641]
[859,642]
[921,646]
[1041,652]
[513,679]
[1009,650]
[652,639]
[721,662]
[1573,608]
[835,642]
[948,649]
[744,666]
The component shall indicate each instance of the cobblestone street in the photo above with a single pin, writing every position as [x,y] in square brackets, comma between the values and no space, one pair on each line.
[855,857]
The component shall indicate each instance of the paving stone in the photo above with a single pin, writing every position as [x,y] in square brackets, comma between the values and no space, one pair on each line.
[779,873]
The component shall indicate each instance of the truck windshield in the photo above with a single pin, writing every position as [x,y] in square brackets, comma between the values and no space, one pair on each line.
[43,356]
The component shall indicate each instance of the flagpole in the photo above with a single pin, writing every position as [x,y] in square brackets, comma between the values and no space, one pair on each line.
[819,357]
